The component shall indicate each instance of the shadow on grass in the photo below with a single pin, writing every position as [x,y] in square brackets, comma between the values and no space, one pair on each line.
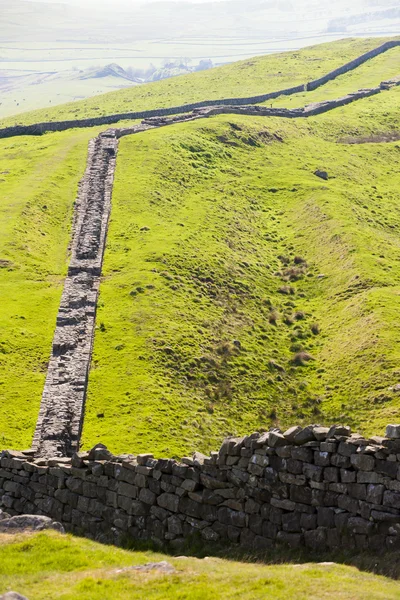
[387,563]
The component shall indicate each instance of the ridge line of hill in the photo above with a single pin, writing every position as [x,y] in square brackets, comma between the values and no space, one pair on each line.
[40,128]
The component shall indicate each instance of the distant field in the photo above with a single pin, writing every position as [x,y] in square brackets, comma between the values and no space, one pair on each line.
[240,290]
[249,77]
[49,565]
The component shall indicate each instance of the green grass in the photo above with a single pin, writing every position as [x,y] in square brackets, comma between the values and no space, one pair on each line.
[38,185]
[255,76]
[50,566]
[205,217]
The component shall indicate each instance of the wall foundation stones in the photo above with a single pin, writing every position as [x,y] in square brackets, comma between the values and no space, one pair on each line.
[310,487]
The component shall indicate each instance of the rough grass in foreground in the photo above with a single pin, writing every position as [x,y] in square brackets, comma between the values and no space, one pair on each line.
[254,76]
[49,565]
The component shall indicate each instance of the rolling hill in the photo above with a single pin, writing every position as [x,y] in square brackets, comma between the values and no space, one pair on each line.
[240,290]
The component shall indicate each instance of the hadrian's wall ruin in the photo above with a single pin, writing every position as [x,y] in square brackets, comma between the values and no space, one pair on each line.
[40,128]
[315,487]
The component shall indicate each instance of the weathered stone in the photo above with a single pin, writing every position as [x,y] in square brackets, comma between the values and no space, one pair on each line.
[391,499]
[276,439]
[169,502]
[326,517]
[316,540]
[320,433]
[393,432]
[364,462]
[339,430]
[291,433]
[29,522]
[231,517]
[304,436]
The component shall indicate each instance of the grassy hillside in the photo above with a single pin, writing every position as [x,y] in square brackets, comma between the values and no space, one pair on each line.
[48,565]
[240,290]
[255,76]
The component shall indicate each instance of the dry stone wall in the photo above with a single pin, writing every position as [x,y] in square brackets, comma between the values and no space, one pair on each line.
[315,487]
[40,128]
[61,413]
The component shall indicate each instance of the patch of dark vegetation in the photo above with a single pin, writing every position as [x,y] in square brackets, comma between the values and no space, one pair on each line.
[379,138]
[301,359]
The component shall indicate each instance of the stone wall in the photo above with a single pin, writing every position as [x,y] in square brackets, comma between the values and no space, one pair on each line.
[315,487]
[40,128]
[61,412]
[62,407]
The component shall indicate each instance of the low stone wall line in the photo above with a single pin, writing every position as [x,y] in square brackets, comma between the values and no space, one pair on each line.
[40,128]
[318,487]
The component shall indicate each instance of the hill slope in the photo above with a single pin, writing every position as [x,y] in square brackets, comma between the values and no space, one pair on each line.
[240,290]
[255,76]
[227,259]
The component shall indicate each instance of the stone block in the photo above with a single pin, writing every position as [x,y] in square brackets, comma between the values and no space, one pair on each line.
[359,525]
[228,516]
[393,432]
[326,517]
[147,496]
[308,521]
[291,433]
[125,489]
[339,430]
[283,504]
[255,523]
[331,474]
[386,467]
[169,502]
[303,454]
[247,538]
[316,539]
[276,439]
[349,504]
[357,490]
[391,499]
[320,433]
[347,476]
[364,462]
[304,436]
[291,522]
[190,508]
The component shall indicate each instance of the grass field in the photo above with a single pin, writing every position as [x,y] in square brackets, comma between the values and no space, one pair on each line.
[48,565]
[255,76]
[241,291]
[204,311]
